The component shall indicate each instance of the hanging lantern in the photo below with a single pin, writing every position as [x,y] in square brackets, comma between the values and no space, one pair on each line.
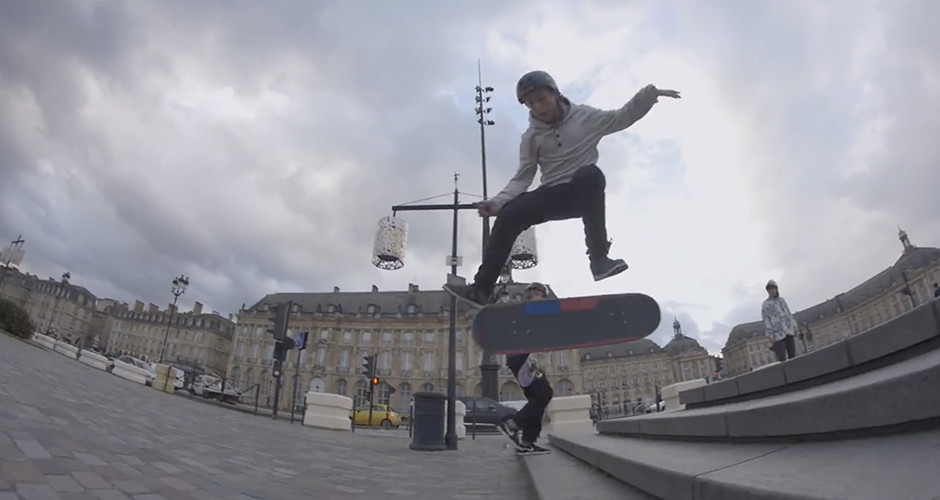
[388,252]
[524,254]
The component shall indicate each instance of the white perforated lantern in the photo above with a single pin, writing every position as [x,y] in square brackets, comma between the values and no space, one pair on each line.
[388,252]
[524,254]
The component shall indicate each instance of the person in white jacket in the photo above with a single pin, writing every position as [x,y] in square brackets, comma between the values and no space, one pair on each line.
[779,324]
[561,141]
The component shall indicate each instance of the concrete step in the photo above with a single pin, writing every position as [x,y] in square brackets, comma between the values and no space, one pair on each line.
[878,468]
[908,335]
[884,400]
[560,476]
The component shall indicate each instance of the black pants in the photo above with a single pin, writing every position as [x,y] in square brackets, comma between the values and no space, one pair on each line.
[537,394]
[784,348]
[582,198]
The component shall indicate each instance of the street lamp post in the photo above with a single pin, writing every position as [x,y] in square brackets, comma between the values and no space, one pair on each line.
[179,287]
[489,369]
[388,255]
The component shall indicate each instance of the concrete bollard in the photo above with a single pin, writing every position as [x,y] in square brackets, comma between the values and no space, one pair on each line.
[568,414]
[94,360]
[66,349]
[44,340]
[670,393]
[429,425]
[164,379]
[129,372]
[328,411]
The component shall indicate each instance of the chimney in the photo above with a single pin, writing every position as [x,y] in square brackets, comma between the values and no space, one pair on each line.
[170,308]
[335,289]
[197,308]
[412,287]
[152,308]
[375,289]
[138,306]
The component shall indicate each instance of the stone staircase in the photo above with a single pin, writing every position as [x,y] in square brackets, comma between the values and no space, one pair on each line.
[859,419]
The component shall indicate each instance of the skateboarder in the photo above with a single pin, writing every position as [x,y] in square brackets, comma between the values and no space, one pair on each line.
[538,393]
[562,141]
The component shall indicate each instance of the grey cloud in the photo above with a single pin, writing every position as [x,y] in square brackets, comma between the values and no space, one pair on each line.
[796,79]
[365,107]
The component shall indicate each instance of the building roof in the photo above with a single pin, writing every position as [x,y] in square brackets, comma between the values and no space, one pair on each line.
[388,302]
[681,344]
[635,348]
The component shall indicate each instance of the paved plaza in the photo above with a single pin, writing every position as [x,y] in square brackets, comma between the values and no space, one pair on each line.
[69,431]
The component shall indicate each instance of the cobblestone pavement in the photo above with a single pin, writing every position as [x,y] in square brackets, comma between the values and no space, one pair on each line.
[69,431]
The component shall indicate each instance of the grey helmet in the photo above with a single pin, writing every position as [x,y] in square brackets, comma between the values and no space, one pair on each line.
[534,80]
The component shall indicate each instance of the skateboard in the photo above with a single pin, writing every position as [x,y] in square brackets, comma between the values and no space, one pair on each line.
[565,323]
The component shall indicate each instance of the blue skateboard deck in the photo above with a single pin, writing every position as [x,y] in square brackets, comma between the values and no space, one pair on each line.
[565,323]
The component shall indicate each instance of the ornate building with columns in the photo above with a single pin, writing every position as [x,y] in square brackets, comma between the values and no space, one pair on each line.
[53,306]
[904,285]
[406,330]
[194,339]
[619,375]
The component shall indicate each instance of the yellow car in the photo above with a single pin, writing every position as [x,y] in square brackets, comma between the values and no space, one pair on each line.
[382,415]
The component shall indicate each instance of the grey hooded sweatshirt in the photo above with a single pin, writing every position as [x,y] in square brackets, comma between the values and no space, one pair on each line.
[560,148]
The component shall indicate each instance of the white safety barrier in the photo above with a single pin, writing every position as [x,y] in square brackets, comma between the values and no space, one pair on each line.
[460,413]
[94,360]
[130,372]
[670,393]
[328,411]
[66,349]
[44,340]
[568,414]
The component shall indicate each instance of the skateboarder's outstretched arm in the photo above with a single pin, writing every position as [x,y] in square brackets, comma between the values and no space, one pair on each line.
[614,120]
[520,182]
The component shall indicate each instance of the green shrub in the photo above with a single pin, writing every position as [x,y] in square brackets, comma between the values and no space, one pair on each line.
[14,319]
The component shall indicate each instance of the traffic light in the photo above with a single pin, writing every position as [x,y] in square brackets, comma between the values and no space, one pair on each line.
[369,366]
[375,380]
[282,311]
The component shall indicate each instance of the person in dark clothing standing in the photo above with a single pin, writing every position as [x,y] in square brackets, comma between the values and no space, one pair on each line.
[561,142]
[537,390]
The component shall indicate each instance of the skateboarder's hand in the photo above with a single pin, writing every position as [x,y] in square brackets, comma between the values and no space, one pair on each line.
[668,93]
[486,208]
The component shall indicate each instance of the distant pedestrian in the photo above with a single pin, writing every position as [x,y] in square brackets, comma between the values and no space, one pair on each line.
[936,290]
[779,324]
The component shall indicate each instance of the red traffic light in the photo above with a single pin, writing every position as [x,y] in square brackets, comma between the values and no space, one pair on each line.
[375,380]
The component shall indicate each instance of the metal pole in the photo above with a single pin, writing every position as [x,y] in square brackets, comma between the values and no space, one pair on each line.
[278,361]
[489,369]
[293,396]
[450,438]
[179,287]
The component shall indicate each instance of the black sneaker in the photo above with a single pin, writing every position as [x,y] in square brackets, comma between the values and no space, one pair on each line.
[605,268]
[470,294]
[532,449]
[508,428]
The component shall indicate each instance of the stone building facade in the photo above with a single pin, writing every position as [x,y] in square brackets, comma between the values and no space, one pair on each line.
[194,339]
[54,306]
[906,284]
[408,332]
[621,377]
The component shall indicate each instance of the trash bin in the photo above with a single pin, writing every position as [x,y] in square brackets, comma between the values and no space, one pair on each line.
[428,421]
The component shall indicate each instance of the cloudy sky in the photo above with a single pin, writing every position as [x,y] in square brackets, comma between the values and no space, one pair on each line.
[253,146]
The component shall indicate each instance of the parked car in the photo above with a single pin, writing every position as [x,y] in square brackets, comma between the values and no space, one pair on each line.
[382,415]
[484,411]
